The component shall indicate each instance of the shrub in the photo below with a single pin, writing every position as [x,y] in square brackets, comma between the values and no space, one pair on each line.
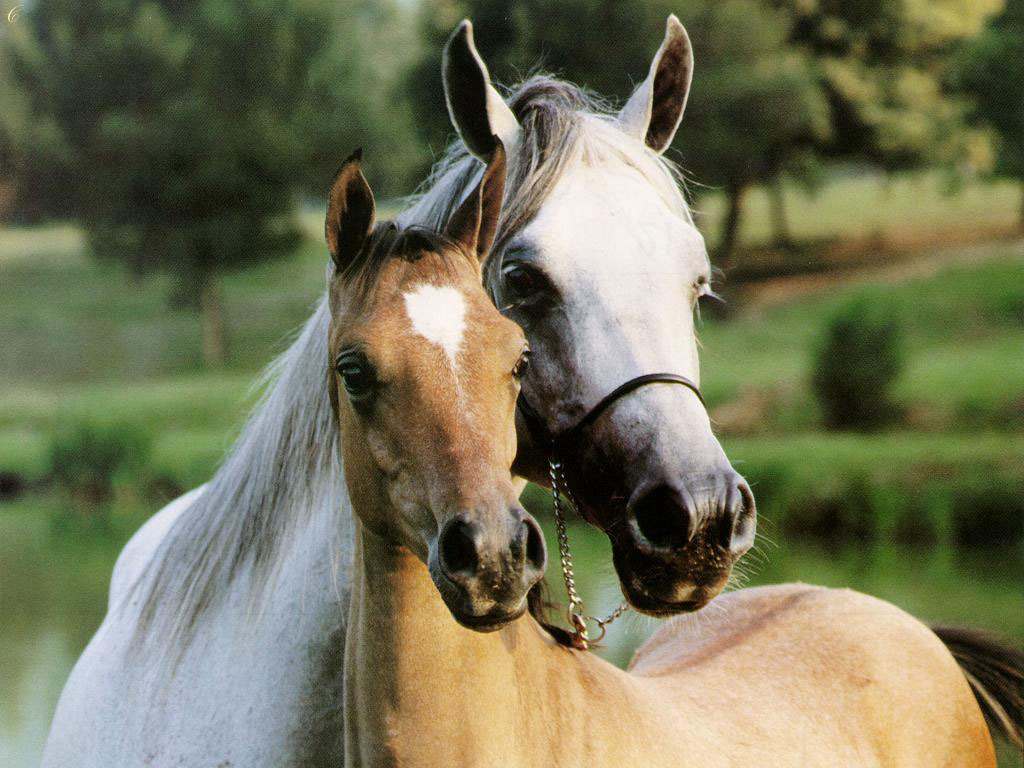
[844,512]
[987,516]
[856,367]
[87,458]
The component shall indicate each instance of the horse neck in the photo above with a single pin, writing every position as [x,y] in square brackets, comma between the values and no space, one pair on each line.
[420,690]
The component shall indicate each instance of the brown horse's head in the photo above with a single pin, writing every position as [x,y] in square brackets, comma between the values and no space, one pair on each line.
[424,379]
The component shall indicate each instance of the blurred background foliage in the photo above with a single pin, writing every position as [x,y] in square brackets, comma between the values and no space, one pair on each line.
[856,167]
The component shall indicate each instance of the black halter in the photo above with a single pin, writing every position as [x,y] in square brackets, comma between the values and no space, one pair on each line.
[554,444]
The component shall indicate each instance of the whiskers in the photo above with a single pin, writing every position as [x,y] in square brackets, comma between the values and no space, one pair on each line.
[752,563]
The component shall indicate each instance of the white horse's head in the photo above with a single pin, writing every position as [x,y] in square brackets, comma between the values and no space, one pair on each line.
[598,259]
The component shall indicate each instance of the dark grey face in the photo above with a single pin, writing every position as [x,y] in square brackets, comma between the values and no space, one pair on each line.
[604,283]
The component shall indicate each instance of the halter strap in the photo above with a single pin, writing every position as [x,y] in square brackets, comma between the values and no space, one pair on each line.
[553,447]
[557,443]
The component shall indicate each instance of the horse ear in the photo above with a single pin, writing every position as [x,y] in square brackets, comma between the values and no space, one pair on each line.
[475,223]
[654,110]
[477,110]
[350,212]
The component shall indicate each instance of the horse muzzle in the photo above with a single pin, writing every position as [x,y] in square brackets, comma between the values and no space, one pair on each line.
[484,570]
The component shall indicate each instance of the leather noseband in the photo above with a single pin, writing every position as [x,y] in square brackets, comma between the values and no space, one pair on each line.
[556,444]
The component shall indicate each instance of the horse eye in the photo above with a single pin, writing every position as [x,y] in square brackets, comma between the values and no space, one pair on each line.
[358,375]
[521,364]
[520,281]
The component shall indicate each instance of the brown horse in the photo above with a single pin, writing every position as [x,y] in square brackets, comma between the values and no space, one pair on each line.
[424,382]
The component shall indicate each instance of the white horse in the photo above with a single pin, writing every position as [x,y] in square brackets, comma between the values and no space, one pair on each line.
[224,638]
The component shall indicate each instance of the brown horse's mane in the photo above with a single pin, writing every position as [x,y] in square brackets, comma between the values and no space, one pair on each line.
[390,241]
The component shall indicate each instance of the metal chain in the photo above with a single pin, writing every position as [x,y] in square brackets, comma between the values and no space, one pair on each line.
[574,610]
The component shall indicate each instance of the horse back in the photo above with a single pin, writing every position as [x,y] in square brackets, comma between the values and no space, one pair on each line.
[856,673]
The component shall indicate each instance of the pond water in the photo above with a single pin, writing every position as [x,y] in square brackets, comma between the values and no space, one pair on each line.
[53,596]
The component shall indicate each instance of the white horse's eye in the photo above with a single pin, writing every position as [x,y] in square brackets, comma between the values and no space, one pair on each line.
[521,281]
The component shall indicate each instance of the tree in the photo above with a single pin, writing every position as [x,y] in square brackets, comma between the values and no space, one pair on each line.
[756,108]
[182,133]
[357,97]
[991,71]
[884,67]
[755,102]
[14,132]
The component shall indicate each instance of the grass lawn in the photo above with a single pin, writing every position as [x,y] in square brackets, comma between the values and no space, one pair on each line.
[81,340]
[962,331]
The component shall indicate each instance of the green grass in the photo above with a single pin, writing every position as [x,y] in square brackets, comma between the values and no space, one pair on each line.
[963,333]
[68,320]
[85,341]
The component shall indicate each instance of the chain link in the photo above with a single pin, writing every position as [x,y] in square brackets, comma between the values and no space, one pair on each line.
[574,610]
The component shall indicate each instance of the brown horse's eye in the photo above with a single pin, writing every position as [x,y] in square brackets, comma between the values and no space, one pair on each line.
[358,375]
[521,364]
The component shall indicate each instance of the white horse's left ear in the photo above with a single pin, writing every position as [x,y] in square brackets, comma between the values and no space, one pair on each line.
[476,108]
[654,110]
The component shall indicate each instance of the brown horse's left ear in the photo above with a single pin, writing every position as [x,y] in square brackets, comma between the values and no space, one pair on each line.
[350,212]
[475,223]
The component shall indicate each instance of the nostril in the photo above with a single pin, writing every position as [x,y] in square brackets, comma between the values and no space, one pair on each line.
[536,552]
[662,519]
[458,549]
[745,526]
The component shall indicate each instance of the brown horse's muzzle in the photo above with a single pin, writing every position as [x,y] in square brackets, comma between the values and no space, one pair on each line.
[484,569]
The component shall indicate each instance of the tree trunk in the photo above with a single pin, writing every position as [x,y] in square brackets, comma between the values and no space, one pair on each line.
[211,318]
[1021,222]
[780,222]
[737,194]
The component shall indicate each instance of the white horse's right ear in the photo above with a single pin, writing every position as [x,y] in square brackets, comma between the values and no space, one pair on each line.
[476,108]
[653,112]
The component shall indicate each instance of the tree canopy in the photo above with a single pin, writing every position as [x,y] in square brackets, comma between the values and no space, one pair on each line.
[884,67]
[181,134]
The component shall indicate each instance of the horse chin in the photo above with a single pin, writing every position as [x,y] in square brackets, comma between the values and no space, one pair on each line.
[468,612]
[644,602]
[488,622]
[651,587]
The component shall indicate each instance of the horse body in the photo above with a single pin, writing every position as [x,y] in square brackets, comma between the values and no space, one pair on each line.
[776,676]
[250,690]
[781,676]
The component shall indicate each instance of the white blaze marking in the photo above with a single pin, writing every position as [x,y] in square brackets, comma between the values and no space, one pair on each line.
[439,316]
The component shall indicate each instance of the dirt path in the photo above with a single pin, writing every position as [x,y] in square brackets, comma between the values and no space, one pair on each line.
[773,291]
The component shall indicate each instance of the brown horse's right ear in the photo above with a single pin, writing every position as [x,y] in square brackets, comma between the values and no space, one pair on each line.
[475,223]
[350,212]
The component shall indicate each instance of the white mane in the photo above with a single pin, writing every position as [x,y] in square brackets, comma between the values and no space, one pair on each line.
[285,466]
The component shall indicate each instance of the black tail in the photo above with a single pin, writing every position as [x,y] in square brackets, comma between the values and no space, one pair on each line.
[995,671]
